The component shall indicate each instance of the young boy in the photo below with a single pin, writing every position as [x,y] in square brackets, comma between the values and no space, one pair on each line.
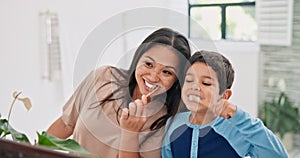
[214,128]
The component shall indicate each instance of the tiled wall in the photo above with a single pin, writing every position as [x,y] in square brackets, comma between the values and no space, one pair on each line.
[282,63]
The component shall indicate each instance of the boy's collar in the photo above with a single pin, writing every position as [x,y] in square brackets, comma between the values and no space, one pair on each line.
[197,126]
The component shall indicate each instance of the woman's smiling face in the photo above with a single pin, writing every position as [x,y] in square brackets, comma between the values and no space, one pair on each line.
[157,67]
[201,88]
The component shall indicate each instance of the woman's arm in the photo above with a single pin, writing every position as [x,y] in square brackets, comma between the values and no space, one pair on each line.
[129,145]
[60,129]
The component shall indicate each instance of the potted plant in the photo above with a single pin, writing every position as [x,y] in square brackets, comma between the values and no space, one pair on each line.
[281,117]
[19,144]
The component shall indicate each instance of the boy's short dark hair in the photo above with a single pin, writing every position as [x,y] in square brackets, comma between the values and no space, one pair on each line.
[220,64]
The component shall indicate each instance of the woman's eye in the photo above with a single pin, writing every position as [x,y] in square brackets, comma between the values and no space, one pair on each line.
[148,64]
[167,72]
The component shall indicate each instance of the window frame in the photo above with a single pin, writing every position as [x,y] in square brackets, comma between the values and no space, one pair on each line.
[223,7]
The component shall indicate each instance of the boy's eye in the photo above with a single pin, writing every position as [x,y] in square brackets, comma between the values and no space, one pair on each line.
[188,80]
[206,83]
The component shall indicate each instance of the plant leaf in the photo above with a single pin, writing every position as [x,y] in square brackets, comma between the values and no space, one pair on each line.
[17,136]
[3,125]
[281,116]
[70,145]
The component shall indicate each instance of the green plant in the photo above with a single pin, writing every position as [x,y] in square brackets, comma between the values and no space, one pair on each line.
[5,127]
[44,139]
[281,116]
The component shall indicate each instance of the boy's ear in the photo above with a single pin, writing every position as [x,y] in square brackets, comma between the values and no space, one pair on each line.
[227,94]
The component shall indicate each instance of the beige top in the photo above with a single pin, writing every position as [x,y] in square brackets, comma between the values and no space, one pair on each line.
[96,127]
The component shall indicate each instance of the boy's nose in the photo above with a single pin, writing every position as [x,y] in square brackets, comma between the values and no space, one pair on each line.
[196,87]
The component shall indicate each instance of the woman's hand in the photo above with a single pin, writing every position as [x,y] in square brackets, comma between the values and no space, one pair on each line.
[134,118]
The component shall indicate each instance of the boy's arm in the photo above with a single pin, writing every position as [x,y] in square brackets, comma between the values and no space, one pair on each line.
[249,136]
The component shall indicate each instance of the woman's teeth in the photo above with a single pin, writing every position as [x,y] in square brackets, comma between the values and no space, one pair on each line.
[151,86]
[194,98]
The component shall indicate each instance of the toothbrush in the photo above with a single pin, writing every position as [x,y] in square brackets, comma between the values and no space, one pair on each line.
[148,96]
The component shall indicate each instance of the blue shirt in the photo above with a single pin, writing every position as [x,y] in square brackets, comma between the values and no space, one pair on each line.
[238,136]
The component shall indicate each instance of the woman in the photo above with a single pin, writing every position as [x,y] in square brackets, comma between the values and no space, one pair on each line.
[93,113]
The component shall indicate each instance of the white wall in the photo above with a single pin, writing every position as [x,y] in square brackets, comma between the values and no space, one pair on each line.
[20,55]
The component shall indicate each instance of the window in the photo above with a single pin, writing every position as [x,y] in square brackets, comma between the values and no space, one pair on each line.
[222,19]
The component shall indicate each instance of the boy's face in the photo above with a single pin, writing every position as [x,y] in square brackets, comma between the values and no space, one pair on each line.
[201,88]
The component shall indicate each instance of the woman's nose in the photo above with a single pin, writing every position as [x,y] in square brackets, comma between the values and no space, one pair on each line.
[154,75]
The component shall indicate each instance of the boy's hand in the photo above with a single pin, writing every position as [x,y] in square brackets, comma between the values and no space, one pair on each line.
[225,109]
[134,117]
